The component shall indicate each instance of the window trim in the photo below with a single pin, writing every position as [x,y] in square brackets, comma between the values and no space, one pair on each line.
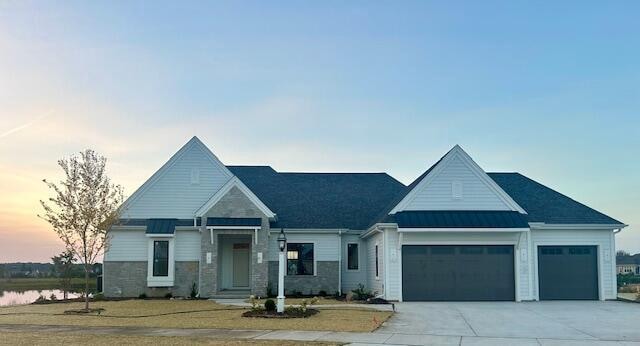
[315,261]
[160,281]
[376,255]
[347,257]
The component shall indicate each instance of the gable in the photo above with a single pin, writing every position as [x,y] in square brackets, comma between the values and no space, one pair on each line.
[180,186]
[456,183]
[232,198]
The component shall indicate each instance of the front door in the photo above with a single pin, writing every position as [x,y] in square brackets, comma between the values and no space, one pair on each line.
[241,253]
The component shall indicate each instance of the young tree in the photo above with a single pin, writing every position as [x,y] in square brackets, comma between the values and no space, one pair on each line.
[84,206]
[63,264]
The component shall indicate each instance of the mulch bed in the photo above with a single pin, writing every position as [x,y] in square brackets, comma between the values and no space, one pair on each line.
[297,313]
[83,311]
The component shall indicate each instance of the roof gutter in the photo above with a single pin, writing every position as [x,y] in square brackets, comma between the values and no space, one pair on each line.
[590,226]
[377,227]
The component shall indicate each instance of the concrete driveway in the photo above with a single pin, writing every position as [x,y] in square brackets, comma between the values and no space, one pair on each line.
[510,323]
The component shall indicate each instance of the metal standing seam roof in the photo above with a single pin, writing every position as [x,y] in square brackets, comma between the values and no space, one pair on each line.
[234,221]
[161,226]
[461,219]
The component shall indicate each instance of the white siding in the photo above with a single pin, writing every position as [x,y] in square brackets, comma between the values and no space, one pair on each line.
[600,238]
[326,245]
[132,245]
[436,194]
[172,194]
[188,245]
[127,245]
[351,278]
[373,283]
[450,238]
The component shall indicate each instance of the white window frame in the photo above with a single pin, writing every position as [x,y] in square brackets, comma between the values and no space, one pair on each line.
[376,259]
[347,259]
[160,281]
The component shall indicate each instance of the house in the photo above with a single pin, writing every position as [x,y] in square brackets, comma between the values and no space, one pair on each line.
[456,233]
[628,265]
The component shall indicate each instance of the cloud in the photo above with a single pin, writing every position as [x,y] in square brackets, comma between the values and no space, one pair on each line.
[24,126]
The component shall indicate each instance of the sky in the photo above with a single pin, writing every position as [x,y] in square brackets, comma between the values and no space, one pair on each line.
[548,89]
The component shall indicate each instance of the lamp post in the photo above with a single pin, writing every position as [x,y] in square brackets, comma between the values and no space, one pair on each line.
[282,243]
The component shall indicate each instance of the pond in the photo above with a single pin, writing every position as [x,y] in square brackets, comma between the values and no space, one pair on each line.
[26,297]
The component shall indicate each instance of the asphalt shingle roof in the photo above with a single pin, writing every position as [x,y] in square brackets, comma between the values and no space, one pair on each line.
[546,205]
[320,200]
[358,200]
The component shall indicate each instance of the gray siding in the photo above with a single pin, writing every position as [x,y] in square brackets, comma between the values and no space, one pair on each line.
[170,193]
[375,284]
[437,194]
[351,278]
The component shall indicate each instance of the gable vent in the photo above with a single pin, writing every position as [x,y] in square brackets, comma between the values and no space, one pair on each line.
[456,189]
[195,175]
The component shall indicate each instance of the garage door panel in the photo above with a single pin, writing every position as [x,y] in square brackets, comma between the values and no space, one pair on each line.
[458,273]
[568,272]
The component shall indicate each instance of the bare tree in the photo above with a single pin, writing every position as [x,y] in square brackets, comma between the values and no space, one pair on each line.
[84,206]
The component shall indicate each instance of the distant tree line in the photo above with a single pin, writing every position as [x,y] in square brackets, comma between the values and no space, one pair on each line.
[45,270]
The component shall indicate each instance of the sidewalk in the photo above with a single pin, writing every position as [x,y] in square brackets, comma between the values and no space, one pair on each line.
[359,339]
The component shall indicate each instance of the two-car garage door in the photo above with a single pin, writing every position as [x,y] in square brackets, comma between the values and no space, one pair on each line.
[486,272]
[457,272]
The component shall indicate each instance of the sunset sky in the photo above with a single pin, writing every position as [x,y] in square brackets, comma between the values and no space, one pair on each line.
[548,89]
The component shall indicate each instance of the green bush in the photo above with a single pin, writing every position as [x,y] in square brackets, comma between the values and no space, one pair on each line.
[362,293]
[270,305]
[194,291]
[168,295]
[142,296]
[322,293]
[98,297]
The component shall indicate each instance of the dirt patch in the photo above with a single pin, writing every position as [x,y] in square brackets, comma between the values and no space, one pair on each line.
[289,313]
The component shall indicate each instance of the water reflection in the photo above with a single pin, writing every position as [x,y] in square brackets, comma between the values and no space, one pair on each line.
[26,297]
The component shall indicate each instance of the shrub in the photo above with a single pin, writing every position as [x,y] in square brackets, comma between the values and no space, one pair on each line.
[194,291]
[361,293]
[254,302]
[40,299]
[322,293]
[53,296]
[142,296]
[270,305]
[168,295]
[314,301]
[98,296]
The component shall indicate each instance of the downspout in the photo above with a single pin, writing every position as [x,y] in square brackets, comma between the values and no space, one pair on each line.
[340,263]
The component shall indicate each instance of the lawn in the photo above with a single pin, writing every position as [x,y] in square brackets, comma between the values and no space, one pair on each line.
[24,284]
[108,340]
[189,314]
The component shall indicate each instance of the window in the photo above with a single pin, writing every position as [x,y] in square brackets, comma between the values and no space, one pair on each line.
[377,271]
[299,259]
[352,256]
[160,258]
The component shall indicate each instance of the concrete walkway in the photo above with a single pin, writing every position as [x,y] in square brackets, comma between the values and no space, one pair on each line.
[357,339]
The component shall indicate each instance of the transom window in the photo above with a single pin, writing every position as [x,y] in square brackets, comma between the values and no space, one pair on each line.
[300,259]
[160,258]
[352,256]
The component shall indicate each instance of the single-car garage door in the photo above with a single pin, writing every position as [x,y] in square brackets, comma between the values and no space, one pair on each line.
[568,272]
[457,273]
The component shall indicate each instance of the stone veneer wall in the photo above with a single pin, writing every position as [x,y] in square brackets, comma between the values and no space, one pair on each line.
[234,204]
[327,279]
[129,279]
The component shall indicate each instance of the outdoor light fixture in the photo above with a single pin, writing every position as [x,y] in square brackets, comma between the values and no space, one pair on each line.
[282,240]
[282,243]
